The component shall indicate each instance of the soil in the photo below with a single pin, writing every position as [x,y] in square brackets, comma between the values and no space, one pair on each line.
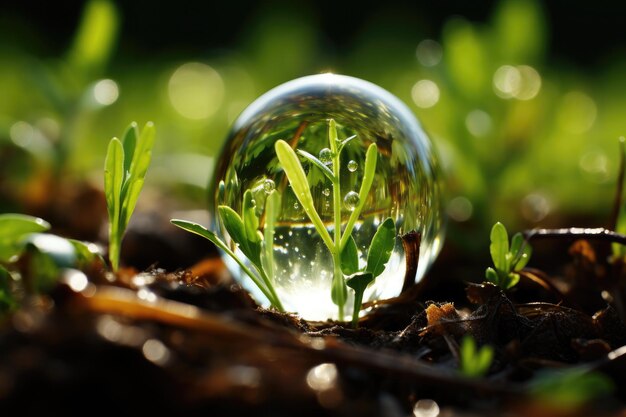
[184,339]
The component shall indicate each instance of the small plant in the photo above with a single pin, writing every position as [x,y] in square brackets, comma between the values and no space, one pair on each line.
[507,259]
[125,168]
[474,362]
[244,231]
[13,228]
[569,389]
[258,247]
[340,242]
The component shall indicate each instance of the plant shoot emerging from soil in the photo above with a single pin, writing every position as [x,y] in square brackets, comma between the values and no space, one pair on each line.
[507,260]
[125,168]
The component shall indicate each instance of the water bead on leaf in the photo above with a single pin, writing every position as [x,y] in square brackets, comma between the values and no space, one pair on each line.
[268,186]
[406,185]
[326,156]
[351,200]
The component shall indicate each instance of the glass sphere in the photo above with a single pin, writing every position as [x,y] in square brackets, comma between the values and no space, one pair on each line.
[406,186]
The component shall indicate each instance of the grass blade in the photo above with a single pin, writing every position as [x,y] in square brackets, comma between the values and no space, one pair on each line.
[129,142]
[371,158]
[113,180]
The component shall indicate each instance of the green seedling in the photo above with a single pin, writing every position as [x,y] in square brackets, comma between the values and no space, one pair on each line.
[244,231]
[474,362]
[507,260]
[568,390]
[340,241]
[125,168]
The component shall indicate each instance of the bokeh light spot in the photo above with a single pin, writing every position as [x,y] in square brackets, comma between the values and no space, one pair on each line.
[478,123]
[460,209]
[426,408]
[196,90]
[429,53]
[425,93]
[322,377]
[507,81]
[530,83]
[535,207]
[106,92]
[577,112]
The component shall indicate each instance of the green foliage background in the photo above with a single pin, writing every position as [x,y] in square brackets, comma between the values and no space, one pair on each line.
[538,161]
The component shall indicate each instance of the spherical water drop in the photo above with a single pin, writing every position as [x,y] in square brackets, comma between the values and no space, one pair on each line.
[351,200]
[407,169]
[326,156]
[268,186]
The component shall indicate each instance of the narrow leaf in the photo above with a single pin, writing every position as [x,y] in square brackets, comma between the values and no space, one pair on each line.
[297,178]
[526,252]
[381,247]
[113,178]
[312,159]
[492,276]
[358,282]
[350,257]
[516,243]
[272,209]
[511,280]
[332,133]
[499,246]
[143,151]
[13,226]
[129,203]
[250,219]
[345,142]
[371,158]
[129,141]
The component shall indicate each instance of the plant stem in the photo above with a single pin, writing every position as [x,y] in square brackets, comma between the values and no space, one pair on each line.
[338,280]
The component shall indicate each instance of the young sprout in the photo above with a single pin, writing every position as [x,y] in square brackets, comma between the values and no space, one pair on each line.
[474,362]
[243,230]
[340,241]
[125,168]
[507,260]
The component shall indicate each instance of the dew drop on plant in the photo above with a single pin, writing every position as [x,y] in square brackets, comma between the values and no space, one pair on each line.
[406,186]
[351,200]
[326,156]
[268,186]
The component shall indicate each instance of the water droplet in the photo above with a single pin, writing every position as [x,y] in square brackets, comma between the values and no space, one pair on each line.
[268,186]
[302,109]
[351,200]
[326,156]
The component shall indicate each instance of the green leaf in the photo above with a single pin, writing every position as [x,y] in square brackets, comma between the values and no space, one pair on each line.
[272,210]
[358,282]
[345,142]
[381,247]
[474,362]
[312,159]
[209,235]
[43,272]
[250,219]
[13,227]
[516,243]
[350,257]
[95,37]
[128,203]
[234,226]
[332,133]
[129,142]
[524,257]
[499,247]
[297,178]
[371,158]
[143,153]
[511,280]
[492,276]
[113,180]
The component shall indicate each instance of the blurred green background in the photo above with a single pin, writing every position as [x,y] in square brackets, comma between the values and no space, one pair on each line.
[524,99]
